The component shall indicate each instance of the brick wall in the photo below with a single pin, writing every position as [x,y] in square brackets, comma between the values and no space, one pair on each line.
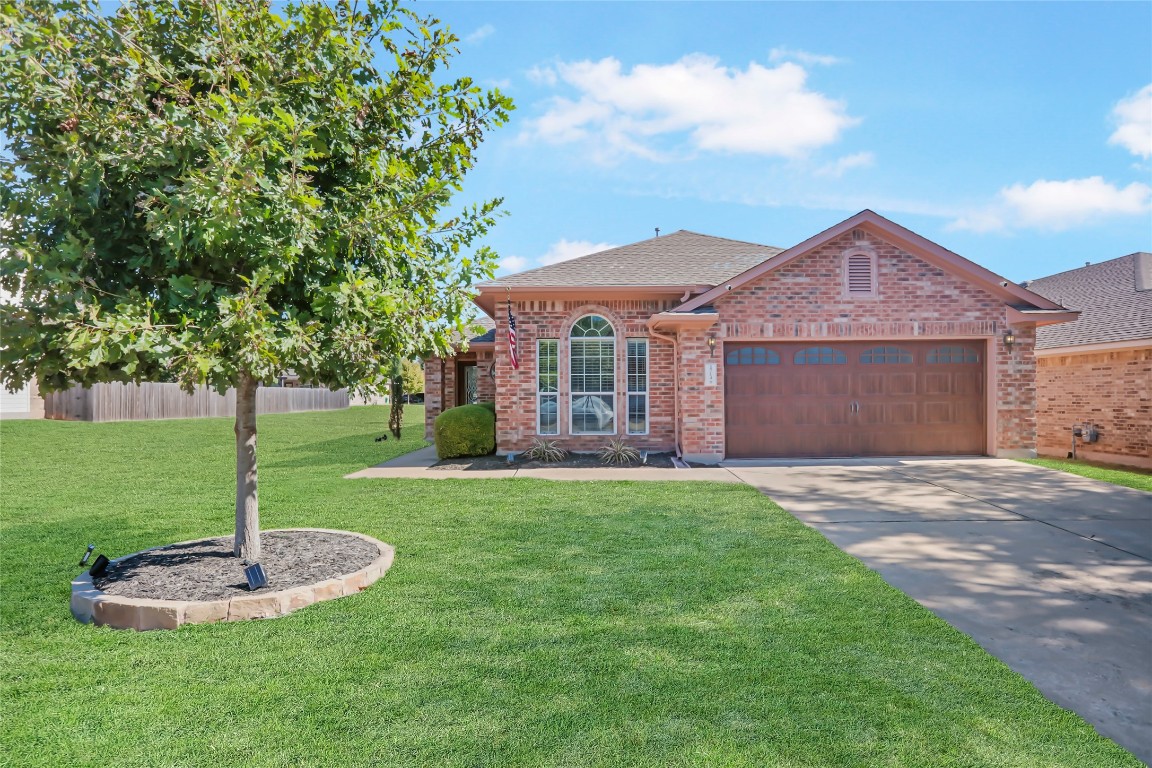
[516,389]
[440,384]
[1112,390]
[805,300]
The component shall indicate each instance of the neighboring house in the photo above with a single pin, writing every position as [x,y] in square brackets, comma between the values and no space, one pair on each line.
[1097,371]
[866,339]
[25,403]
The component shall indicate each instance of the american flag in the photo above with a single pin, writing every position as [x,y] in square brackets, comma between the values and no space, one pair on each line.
[512,338]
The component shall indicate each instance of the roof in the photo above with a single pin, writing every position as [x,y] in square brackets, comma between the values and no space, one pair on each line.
[489,334]
[678,260]
[1115,299]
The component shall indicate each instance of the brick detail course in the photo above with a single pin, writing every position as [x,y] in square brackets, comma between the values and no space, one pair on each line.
[1112,390]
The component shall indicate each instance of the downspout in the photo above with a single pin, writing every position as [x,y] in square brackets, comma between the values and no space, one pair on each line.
[675,387]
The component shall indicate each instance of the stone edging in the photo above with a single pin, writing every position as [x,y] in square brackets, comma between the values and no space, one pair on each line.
[93,605]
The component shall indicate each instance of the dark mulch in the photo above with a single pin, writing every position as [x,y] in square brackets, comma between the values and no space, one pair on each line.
[206,570]
[574,461]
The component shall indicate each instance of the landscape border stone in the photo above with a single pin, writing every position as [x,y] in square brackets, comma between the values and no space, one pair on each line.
[91,605]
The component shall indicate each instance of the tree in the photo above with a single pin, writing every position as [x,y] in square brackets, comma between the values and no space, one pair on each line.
[413,376]
[213,193]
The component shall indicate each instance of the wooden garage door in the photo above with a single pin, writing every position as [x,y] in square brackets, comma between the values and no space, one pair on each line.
[900,398]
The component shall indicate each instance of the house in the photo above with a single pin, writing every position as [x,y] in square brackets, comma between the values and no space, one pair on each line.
[864,340]
[1095,373]
[24,403]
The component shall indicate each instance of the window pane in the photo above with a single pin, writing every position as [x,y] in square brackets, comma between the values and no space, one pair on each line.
[593,414]
[820,356]
[637,414]
[547,365]
[953,355]
[548,414]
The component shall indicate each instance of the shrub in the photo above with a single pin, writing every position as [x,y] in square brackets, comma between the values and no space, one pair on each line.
[490,406]
[618,452]
[469,430]
[545,450]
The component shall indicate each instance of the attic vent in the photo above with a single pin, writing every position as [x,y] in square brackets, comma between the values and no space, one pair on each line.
[860,274]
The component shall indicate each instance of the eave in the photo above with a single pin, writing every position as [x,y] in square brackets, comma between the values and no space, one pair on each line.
[488,296]
[682,321]
[1018,316]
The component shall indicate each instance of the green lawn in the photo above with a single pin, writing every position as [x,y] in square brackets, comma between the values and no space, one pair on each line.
[525,623]
[1140,479]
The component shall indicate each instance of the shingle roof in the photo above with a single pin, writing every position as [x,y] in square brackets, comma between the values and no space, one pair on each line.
[1114,297]
[679,259]
[489,335]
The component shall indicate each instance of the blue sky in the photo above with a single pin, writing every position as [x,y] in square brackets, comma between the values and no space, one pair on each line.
[1016,134]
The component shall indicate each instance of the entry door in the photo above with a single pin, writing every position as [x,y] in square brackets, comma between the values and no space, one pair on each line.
[466,383]
[854,399]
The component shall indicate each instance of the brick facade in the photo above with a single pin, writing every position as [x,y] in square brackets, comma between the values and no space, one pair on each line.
[803,299]
[1109,389]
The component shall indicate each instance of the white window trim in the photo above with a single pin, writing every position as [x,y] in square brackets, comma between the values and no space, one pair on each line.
[540,394]
[645,392]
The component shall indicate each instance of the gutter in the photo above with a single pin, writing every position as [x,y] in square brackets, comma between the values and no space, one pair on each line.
[675,387]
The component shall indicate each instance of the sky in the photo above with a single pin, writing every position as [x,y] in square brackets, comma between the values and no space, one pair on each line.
[1018,135]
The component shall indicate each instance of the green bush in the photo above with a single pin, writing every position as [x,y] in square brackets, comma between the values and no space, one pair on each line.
[489,405]
[469,430]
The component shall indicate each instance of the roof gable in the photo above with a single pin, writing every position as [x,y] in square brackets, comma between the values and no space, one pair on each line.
[893,233]
[1115,299]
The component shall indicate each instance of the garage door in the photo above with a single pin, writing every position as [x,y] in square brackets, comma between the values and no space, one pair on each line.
[854,399]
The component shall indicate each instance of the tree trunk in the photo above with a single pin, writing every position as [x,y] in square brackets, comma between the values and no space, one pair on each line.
[247,543]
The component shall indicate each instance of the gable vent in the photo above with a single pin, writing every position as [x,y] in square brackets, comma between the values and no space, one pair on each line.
[860,274]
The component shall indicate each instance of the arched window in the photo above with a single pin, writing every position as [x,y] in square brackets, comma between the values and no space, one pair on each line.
[592,371]
[753,356]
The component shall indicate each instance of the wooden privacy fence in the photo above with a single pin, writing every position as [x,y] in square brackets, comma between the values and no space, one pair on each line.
[136,402]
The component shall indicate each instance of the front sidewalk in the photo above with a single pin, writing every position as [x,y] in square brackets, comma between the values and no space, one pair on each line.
[418,464]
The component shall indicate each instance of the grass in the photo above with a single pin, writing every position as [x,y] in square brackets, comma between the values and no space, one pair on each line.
[525,623]
[1140,479]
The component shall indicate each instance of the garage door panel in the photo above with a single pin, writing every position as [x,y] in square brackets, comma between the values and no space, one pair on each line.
[857,398]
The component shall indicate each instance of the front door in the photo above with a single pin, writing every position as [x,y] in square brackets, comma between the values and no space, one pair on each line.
[466,382]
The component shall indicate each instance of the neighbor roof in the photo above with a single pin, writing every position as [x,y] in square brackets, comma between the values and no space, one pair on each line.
[680,259]
[1114,297]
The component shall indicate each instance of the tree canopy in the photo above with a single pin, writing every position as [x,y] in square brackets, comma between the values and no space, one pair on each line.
[198,189]
[215,191]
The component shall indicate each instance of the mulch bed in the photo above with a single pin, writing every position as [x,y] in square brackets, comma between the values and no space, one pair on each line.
[206,570]
[574,461]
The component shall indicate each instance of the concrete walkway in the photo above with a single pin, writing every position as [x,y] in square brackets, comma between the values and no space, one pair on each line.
[418,465]
[1049,572]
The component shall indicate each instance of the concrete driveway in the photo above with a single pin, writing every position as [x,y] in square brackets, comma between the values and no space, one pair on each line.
[1049,572]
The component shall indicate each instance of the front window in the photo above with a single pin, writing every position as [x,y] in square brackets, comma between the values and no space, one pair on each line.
[547,387]
[593,377]
[637,386]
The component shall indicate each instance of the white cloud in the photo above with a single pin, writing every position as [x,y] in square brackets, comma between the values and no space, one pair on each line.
[758,110]
[1058,205]
[844,164]
[512,264]
[1133,117]
[480,34]
[804,57]
[542,75]
[563,250]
